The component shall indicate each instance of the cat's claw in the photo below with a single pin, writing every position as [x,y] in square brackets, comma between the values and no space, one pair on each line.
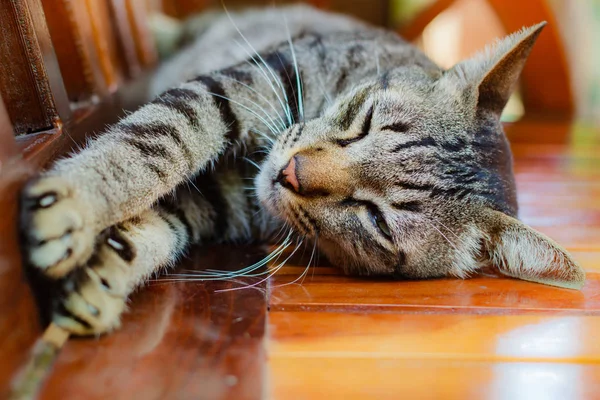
[94,297]
[56,237]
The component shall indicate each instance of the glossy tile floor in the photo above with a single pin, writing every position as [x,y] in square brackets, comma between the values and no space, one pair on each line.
[334,337]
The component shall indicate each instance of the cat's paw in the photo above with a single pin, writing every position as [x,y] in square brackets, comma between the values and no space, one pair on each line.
[93,298]
[55,235]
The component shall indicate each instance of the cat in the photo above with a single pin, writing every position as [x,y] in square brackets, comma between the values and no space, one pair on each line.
[351,136]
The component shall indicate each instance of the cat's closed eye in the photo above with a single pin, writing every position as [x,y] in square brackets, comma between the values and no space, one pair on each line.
[379,221]
[375,215]
[366,127]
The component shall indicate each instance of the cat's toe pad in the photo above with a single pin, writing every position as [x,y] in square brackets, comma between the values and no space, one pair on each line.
[94,297]
[56,237]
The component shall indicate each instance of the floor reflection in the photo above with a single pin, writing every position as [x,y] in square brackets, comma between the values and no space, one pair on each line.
[551,339]
[533,381]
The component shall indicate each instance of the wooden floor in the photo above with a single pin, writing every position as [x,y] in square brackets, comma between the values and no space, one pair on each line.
[334,337]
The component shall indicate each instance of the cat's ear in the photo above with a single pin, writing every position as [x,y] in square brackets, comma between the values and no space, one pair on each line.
[521,252]
[490,77]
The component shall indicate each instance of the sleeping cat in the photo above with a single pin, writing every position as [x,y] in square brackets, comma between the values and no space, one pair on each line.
[351,136]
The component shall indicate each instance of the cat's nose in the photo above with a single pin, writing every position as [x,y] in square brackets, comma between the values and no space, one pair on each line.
[287,176]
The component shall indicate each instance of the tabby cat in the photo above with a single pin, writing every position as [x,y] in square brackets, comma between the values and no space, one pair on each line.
[350,135]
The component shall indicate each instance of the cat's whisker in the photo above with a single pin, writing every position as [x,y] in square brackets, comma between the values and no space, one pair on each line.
[290,232]
[255,64]
[298,78]
[260,151]
[286,110]
[253,163]
[265,136]
[275,124]
[237,281]
[441,233]
[212,275]
[281,120]
[273,237]
[312,256]
[275,270]
[249,110]
[448,229]
[317,255]
[272,126]
[189,181]
[305,272]
[215,275]
[289,79]
[280,233]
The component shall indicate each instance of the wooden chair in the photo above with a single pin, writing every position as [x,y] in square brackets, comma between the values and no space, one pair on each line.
[63,67]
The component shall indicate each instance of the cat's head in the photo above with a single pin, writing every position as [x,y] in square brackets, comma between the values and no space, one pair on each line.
[410,175]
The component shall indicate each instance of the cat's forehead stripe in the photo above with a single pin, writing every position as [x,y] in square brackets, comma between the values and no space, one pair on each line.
[350,110]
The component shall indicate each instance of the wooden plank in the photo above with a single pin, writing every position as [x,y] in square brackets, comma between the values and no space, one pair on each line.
[371,378]
[468,337]
[106,41]
[481,294]
[589,260]
[41,148]
[558,190]
[69,24]
[30,81]
[137,15]
[94,54]
[9,147]
[127,47]
[19,326]
[179,340]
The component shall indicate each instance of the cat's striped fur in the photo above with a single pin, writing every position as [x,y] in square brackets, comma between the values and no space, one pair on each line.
[396,166]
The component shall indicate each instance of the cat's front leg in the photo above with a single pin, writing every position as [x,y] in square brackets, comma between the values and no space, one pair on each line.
[124,171]
[91,299]
[214,207]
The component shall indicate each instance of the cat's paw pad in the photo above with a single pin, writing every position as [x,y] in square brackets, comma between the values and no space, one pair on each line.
[94,297]
[55,234]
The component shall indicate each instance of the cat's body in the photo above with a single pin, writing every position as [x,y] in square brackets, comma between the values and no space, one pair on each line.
[393,165]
